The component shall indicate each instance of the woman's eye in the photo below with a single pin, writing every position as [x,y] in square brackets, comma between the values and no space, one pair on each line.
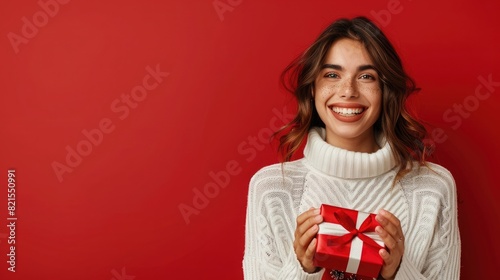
[367,76]
[331,75]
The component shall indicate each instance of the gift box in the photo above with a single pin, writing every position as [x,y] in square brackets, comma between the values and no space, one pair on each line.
[347,241]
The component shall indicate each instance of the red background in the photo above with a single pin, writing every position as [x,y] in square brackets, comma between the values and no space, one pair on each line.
[119,208]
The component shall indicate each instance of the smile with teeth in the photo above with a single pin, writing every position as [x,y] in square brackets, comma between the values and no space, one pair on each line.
[347,111]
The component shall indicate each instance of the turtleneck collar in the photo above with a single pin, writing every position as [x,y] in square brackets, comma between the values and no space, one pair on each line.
[346,164]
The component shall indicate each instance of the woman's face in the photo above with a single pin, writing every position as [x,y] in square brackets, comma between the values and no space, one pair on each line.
[348,97]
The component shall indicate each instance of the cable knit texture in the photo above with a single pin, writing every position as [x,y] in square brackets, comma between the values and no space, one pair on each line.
[424,201]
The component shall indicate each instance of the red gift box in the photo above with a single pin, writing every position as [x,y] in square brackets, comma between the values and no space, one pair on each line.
[347,241]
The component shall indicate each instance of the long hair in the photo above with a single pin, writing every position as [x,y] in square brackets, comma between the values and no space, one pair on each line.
[403,132]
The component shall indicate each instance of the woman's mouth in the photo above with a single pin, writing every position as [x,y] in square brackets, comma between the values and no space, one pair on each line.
[347,112]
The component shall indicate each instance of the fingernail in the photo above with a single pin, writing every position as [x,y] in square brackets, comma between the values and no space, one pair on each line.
[319,218]
[382,252]
[378,229]
[316,211]
[379,218]
[382,211]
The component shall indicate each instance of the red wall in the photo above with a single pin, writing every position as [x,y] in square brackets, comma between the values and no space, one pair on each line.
[106,153]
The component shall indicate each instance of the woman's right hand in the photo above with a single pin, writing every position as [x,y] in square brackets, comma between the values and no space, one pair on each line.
[305,241]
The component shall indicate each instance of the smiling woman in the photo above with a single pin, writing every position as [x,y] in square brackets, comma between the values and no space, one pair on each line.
[364,151]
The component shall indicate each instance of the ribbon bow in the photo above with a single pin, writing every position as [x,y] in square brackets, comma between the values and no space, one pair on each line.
[350,225]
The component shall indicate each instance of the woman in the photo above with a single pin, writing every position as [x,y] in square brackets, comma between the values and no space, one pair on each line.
[364,151]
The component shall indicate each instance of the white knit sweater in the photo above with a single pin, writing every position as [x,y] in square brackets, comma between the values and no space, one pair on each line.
[424,201]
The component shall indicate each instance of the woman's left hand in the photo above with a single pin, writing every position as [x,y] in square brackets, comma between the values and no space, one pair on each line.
[392,235]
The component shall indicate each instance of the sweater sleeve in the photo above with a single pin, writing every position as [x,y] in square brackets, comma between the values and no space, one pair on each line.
[269,231]
[434,202]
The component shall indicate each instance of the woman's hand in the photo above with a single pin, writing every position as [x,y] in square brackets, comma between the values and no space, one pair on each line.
[305,243]
[392,235]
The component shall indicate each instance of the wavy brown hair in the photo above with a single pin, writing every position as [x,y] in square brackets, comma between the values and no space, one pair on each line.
[403,132]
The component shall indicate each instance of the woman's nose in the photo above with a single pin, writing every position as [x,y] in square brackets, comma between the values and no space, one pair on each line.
[348,89]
